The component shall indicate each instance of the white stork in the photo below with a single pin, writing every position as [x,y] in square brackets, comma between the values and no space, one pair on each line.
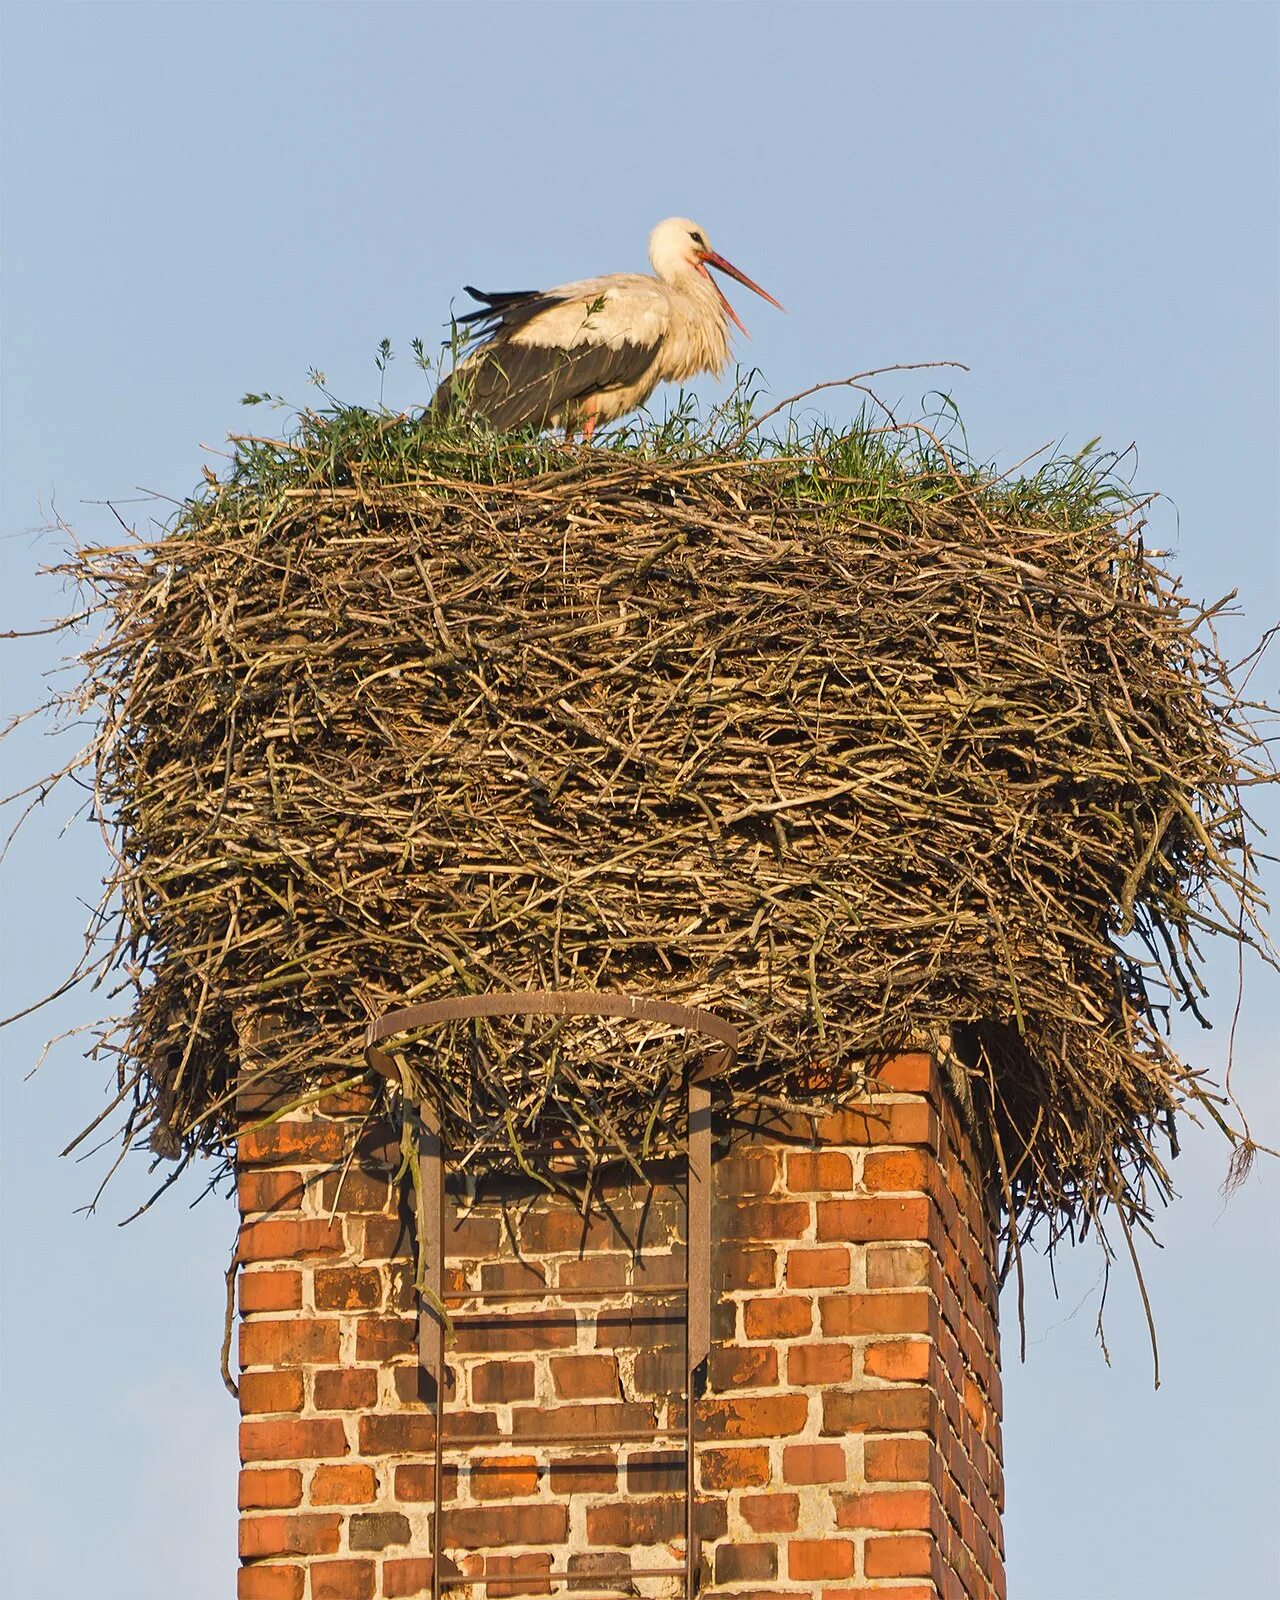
[586,353]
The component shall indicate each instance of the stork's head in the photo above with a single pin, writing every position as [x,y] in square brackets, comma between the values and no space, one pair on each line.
[679,246]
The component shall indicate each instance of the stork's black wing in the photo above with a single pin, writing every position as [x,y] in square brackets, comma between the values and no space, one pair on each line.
[505,310]
[515,384]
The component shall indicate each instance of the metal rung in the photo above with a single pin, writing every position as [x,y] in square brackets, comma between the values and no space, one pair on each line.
[563,1147]
[628,1436]
[584,1294]
[566,1577]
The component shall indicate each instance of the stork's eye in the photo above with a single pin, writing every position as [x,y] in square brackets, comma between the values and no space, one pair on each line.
[699,240]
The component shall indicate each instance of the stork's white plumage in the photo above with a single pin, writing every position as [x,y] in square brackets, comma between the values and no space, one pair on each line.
[588,352]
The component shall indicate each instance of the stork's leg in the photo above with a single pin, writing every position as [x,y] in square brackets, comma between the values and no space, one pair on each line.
[583,422]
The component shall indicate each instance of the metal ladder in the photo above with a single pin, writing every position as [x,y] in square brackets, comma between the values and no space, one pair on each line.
[433,1298]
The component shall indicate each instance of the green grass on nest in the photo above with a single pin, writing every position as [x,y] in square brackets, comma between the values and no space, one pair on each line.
[876,466]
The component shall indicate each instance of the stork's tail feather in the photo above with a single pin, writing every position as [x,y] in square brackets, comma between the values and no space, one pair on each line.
[496,303]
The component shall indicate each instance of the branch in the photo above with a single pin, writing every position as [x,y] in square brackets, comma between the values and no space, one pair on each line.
[855,382]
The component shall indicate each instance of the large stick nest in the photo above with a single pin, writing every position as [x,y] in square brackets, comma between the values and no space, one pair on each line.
[847,750]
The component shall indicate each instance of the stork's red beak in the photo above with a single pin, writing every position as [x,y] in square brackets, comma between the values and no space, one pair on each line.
[709,258]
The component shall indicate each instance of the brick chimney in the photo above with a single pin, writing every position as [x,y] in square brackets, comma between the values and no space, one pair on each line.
[847,1444]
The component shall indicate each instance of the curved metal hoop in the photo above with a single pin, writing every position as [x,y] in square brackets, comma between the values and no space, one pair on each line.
[547,1003]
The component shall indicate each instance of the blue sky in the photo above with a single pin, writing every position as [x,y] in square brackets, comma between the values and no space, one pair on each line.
[1081,202]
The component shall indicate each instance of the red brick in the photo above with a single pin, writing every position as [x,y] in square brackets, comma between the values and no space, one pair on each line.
[532,1422]
[636,1522]
[882,1122]
[746,1563]
[357,1100]
[820,1558]
[899,1267]
[656,1472]
[899,1171]
[743,1367]
[764,1219]
[878,1411]
[320,1142]
[279,1239]
[787,1317]
[343,1580]
[529,1330]
[265,1392]
[405,1434]
[860,1221]
[586,1377]
[745,1468]
[414,1432]
[522,1275]
[353,1485]
[819,1363]
[302,1535]
[890,1508]
[404,1579]
[346,1388]
[384,1338]
[385,1238]
[288,1342]
[610,1271]
[814,1463]
[477,1528]
[417,1482]
[528,1573]
[770,1513]
[294,1440]
[355,1190]
[817,1269]
[349,1289]
[903,1360]
[496,1382]
[269,1191]
[746,1269]
[755,1417]
[975,1404]
[819,1170]
[270,1488]
[751,1170]
[660,1372]
[477,1233]
[647,1327]
[377,1530]
[898,1556]
[848,1315]
[547,1232]
[503,1477]
[909,1073]
[270,1291]
[910,1591]
[898,1460]
[270,1583]
[593,1473]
